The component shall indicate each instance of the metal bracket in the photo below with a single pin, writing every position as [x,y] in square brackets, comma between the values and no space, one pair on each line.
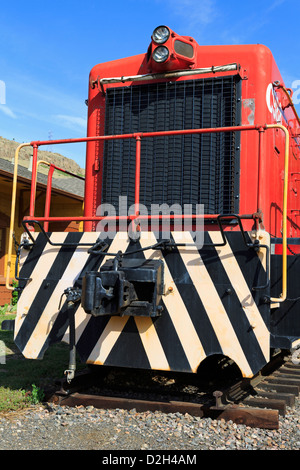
[73,295]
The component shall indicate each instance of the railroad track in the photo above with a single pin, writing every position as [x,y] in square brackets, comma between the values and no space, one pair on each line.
[256,402]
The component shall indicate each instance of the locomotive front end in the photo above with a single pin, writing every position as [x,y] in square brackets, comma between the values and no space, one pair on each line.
[173,264]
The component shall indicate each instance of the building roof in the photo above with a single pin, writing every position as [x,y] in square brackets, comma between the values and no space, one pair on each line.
[68,185]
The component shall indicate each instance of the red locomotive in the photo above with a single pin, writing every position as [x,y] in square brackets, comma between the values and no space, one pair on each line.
[191,232]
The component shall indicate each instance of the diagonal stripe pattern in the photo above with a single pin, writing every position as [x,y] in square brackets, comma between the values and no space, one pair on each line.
[209,306]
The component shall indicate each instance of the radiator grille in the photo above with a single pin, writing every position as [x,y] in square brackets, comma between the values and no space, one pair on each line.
[198,169]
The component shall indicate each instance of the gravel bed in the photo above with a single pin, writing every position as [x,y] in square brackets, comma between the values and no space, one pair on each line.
[53,427]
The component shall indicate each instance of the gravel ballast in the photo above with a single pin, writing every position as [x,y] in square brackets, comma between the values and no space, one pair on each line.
[55,427]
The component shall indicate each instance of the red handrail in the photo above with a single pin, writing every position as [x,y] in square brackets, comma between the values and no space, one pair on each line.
[53,167]
[137,136]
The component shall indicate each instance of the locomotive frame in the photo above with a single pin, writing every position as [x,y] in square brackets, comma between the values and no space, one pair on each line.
[137,298]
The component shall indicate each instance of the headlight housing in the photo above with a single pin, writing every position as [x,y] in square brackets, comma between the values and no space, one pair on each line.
[161,34]
[160,54]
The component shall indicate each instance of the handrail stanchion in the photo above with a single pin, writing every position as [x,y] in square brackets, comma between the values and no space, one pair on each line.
[261,161]
[137,176]
[48,197]
[33,180]
[12,214]
[284,210]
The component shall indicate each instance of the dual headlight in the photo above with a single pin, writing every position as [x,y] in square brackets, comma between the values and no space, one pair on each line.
[160,35]
[181,48]
[160,54]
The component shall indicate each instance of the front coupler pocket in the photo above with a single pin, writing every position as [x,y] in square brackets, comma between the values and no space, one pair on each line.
[134,288]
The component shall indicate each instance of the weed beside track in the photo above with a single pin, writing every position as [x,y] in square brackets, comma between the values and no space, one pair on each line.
[23,380]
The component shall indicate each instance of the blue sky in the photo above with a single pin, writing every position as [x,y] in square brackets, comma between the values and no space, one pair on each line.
[47,49]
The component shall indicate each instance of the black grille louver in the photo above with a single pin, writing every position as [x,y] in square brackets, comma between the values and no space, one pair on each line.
[198,169]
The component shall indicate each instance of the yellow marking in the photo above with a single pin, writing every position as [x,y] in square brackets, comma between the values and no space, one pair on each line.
[116,324]
[50,312]
[110,335]
[241,288]
[296,343]
[283,295]
[38,274]
[212,303]
[151,343]
[264,238]
[178,313]
[24,253]
[107,340]
[12,213]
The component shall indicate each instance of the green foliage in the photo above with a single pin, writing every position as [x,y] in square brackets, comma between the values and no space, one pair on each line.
[12,399]
[4,309]
[23,381]
[37,395]
[9,308]
[15,294]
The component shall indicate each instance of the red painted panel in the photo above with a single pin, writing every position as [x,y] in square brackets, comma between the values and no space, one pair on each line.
[261,183]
